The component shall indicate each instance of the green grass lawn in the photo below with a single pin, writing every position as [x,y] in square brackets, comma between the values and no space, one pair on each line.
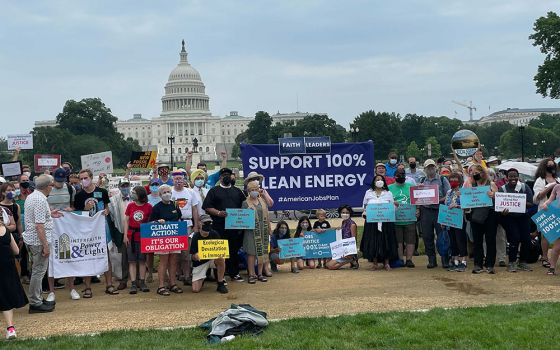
[522,326]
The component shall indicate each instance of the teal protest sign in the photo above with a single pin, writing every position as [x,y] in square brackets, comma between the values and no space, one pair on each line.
[476,197]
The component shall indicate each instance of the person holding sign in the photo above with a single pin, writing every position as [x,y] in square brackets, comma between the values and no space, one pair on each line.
[457,236]
[304,225]
[378,242]
[255,242]
[429,213]
[349,229]
[405,231]
[166,210]
[282,231]
[219,198]
[517,225]
[546,177]
[201,266]
[484,224]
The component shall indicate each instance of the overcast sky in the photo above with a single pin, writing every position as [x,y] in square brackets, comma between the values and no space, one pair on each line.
[335,57]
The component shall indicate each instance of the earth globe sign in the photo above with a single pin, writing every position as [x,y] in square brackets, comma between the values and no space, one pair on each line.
[465,143]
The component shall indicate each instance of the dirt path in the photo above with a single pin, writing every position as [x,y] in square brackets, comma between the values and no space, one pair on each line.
[310,293]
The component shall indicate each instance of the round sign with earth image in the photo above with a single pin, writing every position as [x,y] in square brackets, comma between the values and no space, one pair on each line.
[465,143]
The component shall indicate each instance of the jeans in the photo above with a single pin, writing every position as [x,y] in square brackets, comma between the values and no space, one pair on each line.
[518,232]
[428,222]
[38,270]
[485,232]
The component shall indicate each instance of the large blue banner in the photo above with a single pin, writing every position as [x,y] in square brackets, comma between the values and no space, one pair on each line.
[312,181]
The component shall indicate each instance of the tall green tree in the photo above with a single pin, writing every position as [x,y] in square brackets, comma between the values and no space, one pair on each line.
[258,130]
[436,148]
[413,151]
[547,37]
[383,128]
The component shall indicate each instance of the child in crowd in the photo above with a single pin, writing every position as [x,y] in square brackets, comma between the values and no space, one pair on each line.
[304,225]
[320,226]
[200,267]
[457,236]
[137,213]
[282,231]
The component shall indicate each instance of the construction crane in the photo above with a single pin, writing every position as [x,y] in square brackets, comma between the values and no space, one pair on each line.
[469,106]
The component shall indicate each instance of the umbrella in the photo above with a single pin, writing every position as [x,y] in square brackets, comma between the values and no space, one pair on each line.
[523,167]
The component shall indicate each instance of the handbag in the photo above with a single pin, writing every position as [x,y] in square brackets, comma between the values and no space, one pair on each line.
[479,215]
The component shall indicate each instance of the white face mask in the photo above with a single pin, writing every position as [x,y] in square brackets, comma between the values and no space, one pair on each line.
[166,196]
[345,216]
[254,194]
[379,184]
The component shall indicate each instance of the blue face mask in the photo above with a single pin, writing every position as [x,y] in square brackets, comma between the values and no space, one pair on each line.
[393,161]
[154,189]
[199,183]
[18,192]
[125,191]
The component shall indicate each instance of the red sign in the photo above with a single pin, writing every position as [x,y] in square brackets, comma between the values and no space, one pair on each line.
[44,162]
[424,195]
[166,237]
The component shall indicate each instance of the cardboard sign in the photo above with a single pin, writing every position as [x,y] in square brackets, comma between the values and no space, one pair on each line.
[166,237]
[209,249]
[11,168]
[44,162]
[424,194]
[450,217]
[514,202]
[143,160]
[475,197]
[23,141]
[380,212]
[291,248]
[101,162]
[548,223]
[318,245]
[405,213]
[344,248]
[240,219]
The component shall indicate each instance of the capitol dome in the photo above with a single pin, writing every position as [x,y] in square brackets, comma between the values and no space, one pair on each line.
[185,92]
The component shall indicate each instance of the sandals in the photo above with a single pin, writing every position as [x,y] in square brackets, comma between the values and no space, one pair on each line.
[111,290]
[87,294]
[387,267]
[163,291]
[252,279]
[551,271]
[545,263]
[175,289]
[262,278]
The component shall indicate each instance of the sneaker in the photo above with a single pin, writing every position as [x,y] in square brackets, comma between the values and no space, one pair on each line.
[11,333]
[460,267]
[490,270]
[42,308]
[477,270]
[133,289]
[511,267]
[49,303]
[237,278]
[222,288]
[58,285]
[452,268]
[143,287]
[51,297]
[409,264]
[502,264]
[74,295]
[524,267]
[224,282]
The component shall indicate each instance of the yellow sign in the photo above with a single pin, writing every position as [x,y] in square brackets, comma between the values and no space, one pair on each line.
[209,249]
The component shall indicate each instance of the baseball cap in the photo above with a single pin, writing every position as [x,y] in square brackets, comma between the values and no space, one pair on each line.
[225,171]
[429,162]
[205,218]
[59,175]
[124,181]
[380,164]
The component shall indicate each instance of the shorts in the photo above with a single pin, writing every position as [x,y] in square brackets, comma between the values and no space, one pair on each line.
[199,272]
[344,260]
[406,233]
[136,255]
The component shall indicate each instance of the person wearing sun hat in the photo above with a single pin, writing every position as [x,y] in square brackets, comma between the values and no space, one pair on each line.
[253,175]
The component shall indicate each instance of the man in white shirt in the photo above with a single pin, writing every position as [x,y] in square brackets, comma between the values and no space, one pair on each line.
[187,201]
[37,236]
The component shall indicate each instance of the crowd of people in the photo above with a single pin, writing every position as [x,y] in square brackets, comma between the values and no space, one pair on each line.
[28,207]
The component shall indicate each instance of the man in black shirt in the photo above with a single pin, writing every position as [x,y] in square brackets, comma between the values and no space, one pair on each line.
[200,267]
[219,198]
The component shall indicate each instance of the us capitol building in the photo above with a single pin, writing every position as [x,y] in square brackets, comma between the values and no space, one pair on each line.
[186,115]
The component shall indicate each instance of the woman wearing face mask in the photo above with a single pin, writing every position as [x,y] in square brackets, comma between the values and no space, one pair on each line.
[166,211]
[457,236]
[154,197]
[378,242]
[7,197]
[198,179]
[255,242]
[304,225]
[349,229]
[484,223]
[545,179]
[282,231]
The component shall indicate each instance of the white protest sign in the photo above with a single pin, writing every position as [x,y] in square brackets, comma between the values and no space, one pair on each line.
[514,202]
[79,246]
[23,141]
[11,168]
[114,182]
[101,162]
[343,248]
[429,193]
